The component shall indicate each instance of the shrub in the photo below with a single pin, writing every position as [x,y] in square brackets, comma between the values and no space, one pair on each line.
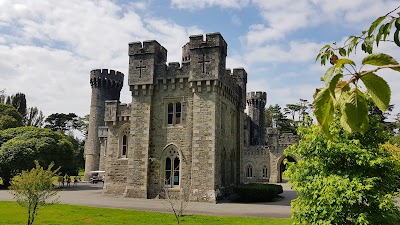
[257,192]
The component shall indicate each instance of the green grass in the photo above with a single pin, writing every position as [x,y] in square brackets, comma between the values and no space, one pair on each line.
[11,213]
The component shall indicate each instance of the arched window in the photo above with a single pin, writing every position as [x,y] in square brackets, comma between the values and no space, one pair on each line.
[264,172]
[172,168]
[249,171]
[124,143]
[174,113]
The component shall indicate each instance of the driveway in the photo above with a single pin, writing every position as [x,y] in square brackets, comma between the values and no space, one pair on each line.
[91,195]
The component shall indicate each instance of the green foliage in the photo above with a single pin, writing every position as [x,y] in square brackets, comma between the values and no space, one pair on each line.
[348,179]
[275,117]
[62,122]
[256,192]
[9,117]
[298,113]
[19,147]
[60,214]
[347,96]
[33,188]
[393,149]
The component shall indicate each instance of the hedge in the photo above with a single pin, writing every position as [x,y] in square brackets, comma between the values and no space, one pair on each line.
[254,192]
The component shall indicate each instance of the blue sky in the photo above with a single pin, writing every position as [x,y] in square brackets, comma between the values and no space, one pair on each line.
[47,48]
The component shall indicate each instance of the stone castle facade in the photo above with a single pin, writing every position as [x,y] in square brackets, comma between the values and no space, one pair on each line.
[185,128]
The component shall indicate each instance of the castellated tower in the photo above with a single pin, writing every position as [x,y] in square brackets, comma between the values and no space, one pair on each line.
[106,85]
[256,102]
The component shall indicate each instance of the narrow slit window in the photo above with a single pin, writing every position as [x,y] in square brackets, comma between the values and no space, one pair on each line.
[178,113]
[124,146]
[170,113]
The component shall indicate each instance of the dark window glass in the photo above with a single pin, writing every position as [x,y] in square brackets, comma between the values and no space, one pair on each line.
[176,171]
[124,146]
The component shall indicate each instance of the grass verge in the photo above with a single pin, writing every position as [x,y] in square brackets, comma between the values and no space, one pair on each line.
[13,214]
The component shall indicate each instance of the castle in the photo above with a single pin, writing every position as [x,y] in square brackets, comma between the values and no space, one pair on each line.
[186,127]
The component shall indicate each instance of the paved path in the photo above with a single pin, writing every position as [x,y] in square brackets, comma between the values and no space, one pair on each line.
[91,195]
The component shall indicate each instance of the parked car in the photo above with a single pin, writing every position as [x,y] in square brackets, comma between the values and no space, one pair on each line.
[96,176]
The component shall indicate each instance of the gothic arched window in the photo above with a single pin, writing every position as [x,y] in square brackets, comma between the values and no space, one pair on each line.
[249,171]
[172,164]
[264,172]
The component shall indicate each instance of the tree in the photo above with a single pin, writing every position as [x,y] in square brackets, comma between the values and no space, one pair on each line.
[33,188]
[83,125]
[62,122]
[275,117]
[20,146]
[347,95]
[19,102]
[34,117]
[9,117]
[348,179]
[3,96]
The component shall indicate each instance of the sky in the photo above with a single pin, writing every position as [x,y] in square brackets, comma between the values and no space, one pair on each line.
[49,47]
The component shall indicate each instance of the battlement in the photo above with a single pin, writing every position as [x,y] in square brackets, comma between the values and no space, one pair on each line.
[257,98]
[240,73]
[106,78]
[148,47]
[211,40]
[259,95]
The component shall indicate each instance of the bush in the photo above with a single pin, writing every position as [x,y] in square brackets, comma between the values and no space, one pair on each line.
[257,192]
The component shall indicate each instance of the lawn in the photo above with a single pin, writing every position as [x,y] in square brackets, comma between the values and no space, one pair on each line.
[11,213]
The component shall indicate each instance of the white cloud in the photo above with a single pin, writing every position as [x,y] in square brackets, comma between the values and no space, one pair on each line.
[295,52]
[200,4]
[49,48]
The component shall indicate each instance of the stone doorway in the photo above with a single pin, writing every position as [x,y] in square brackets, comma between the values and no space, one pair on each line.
[282,168]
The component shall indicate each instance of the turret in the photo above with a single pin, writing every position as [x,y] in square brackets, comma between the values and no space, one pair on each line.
[106,85]
[144,60]
[256,102]
[207,57]
[240,77]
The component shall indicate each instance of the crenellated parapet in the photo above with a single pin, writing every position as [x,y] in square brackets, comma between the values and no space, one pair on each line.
[151,47]
[145,61]
[104,78]
[257,99]
[116,112]
[287,139]
[211,40]
[207,56]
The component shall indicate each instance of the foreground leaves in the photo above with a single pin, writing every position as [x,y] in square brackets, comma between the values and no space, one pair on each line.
[349,96]
[349,180]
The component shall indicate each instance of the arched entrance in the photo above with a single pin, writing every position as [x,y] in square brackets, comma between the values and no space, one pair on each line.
[282,168]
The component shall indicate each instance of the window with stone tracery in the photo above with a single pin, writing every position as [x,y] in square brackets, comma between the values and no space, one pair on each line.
[249,171]
[171,168]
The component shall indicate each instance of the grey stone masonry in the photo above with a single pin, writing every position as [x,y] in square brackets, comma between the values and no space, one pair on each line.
[256,102]
[106,85]
[185,128]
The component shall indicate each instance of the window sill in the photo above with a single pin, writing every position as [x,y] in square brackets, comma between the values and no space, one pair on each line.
[123,158]
[174,189]
[174,126]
